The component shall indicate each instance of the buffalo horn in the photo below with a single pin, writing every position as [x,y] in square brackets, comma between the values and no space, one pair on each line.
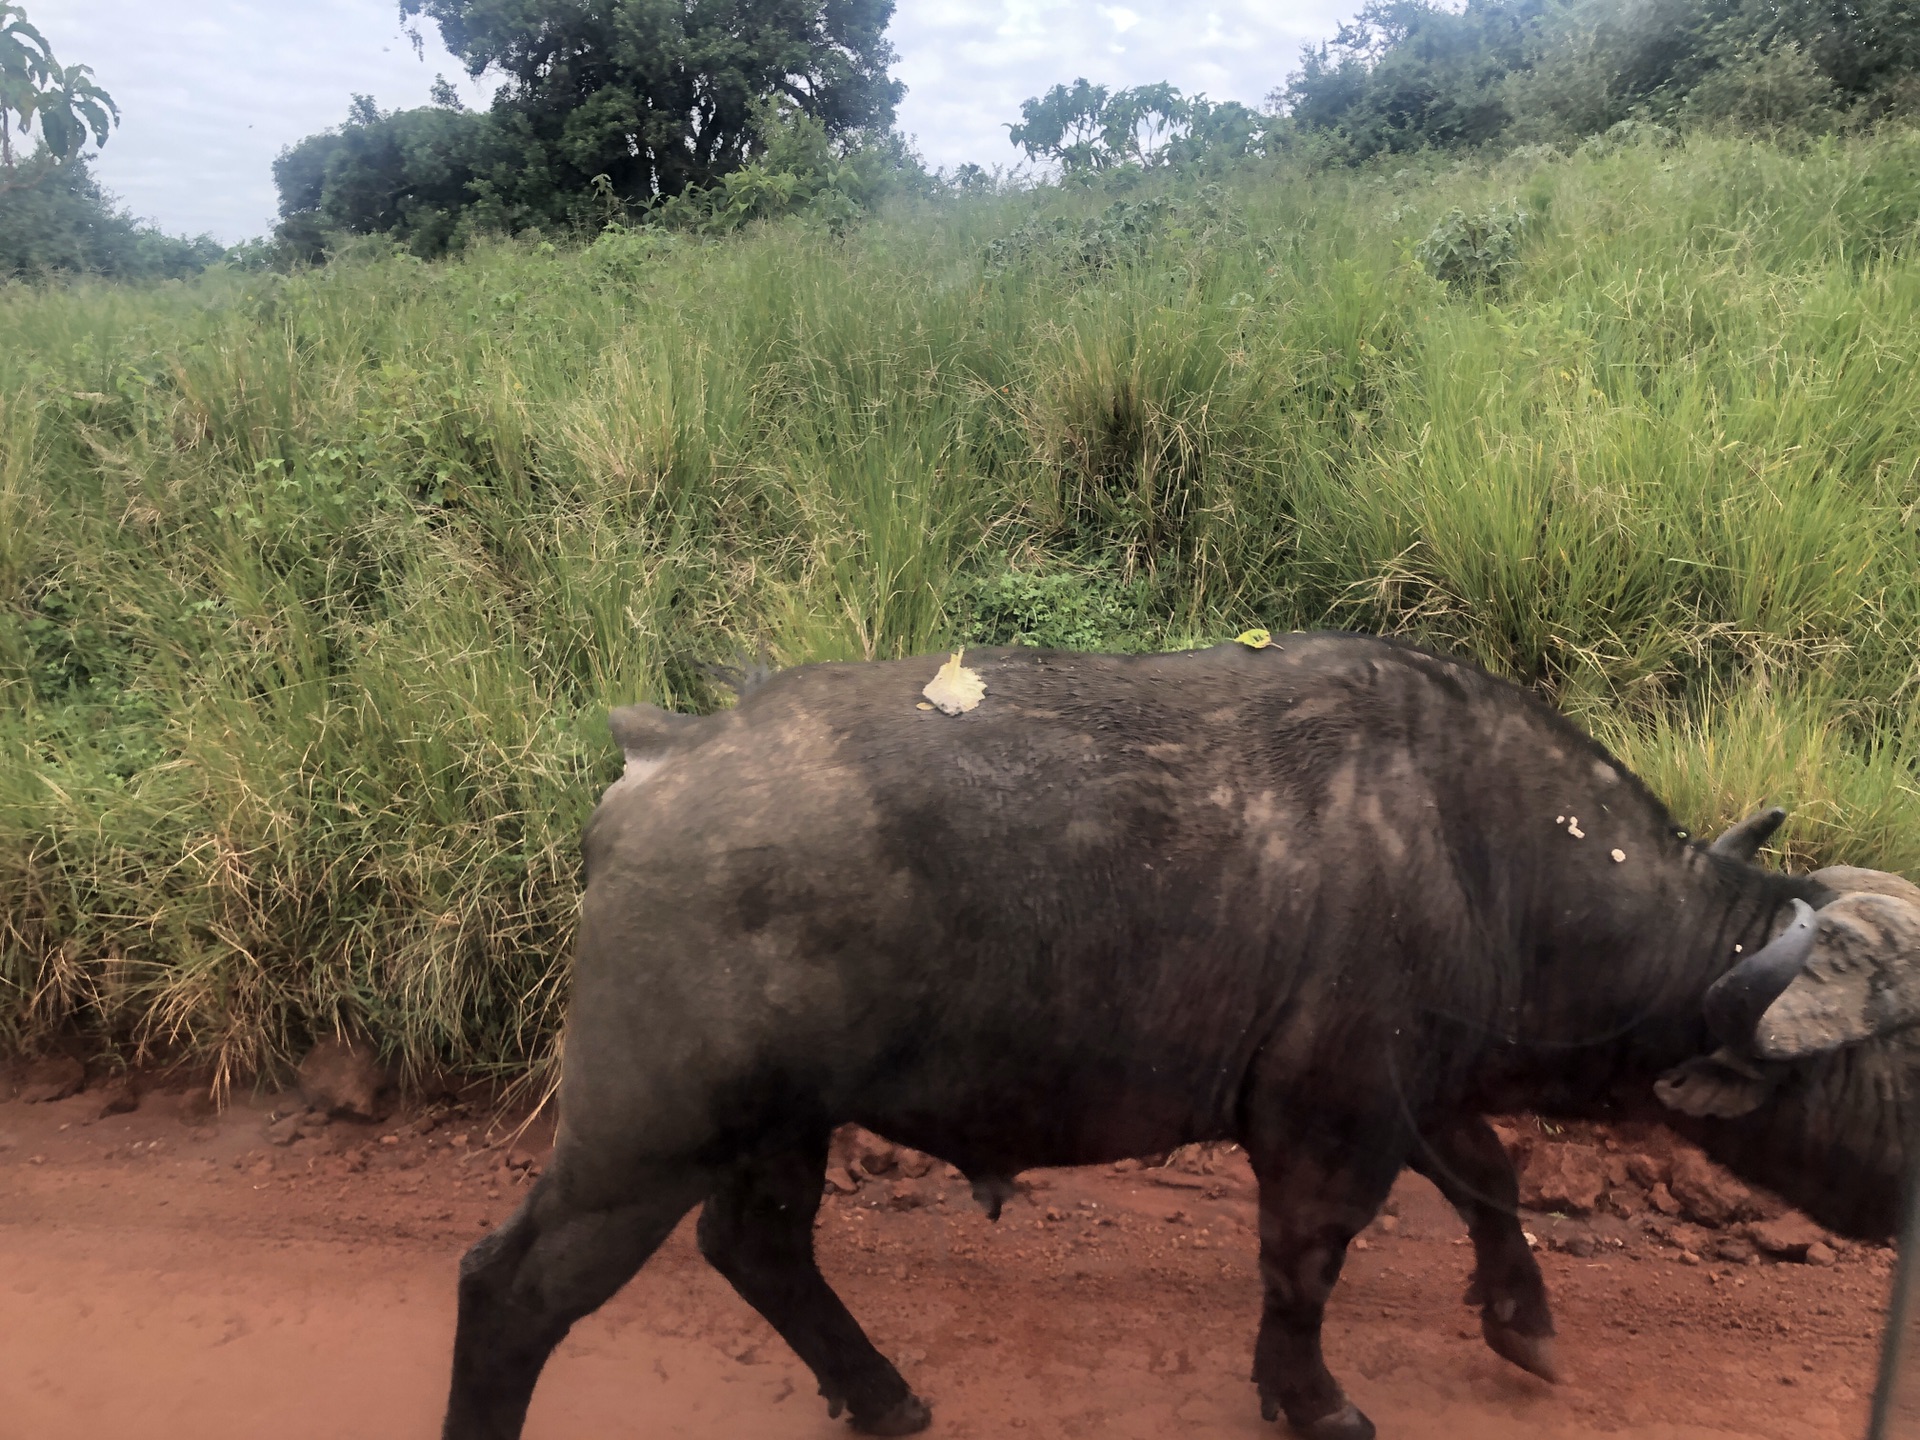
[1740,997]
[1744,840]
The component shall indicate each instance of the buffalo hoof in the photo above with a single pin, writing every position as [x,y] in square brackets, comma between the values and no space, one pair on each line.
[909,1417]
[1346,1423]
[1532,1353]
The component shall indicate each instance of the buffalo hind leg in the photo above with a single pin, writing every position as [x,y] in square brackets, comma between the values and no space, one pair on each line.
[557,1258]
[757,1231]
[1313,1200]
[1466,1160]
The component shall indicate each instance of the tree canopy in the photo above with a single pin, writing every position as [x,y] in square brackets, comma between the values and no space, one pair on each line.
[1087,128]
[57,220]
[1411,74]
[1403,74]
[412,174]
[55,217]
[634,100]
[34,86]
[661,94]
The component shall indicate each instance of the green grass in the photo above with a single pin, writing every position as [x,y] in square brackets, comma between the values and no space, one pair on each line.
[314,590]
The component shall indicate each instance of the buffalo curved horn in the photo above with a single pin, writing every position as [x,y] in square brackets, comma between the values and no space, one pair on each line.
[1737,1000]
[1744,840]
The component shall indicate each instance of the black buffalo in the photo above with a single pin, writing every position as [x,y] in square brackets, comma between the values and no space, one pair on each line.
[1334,899]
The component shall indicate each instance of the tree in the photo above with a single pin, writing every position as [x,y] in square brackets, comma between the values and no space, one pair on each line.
[1088,128]
[70,107]
[57,220]
[1140,121]
[33,85]
[660,95]
[1223,131]
[1407,74]
[56,217]
[25,63]
[1067,125]
[412,174]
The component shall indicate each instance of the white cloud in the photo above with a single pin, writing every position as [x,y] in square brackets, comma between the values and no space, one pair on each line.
[211,90]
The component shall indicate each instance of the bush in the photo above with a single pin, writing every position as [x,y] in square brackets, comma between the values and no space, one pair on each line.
[800,170]
[1772,90]
[1051,608]
[1629,134]
[1476,250]
[623,256]
[1121,234]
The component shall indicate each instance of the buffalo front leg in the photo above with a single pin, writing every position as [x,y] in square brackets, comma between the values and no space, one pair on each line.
[757,1231]
[1465,1159]
[561,1255]
[1313,1200]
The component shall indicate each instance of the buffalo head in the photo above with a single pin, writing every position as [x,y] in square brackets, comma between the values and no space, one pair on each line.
[1818,1062]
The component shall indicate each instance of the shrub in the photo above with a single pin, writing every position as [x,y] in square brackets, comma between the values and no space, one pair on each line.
[1051,608]
[1776,89]
[1121,234]
[1476,250]
[623,255]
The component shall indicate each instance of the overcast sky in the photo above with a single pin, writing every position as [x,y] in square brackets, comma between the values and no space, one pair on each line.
[211,90]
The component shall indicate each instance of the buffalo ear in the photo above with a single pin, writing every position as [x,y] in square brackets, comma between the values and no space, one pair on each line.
[1744,840]
[1720,1085]
[1862,979]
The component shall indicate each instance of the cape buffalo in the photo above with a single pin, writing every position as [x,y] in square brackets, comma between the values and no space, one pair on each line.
[1334,898]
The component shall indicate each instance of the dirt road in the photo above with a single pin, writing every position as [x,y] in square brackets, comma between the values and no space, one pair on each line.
[166,1274]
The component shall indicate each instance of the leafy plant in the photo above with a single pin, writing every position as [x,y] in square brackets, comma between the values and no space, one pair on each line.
[1051,608]
[1122,233]
[1482,249]
[70,109]
[34,86]
[798,170]
[1086,128]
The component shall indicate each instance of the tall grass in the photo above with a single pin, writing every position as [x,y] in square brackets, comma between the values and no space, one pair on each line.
[314,590]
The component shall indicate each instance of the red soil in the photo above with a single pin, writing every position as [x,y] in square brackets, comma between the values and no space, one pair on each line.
[167,1274]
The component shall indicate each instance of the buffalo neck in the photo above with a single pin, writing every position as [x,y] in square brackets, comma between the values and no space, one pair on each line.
[1614,993]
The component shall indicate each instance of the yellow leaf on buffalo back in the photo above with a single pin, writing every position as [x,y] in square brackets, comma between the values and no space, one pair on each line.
[1253,639]
[954,689]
